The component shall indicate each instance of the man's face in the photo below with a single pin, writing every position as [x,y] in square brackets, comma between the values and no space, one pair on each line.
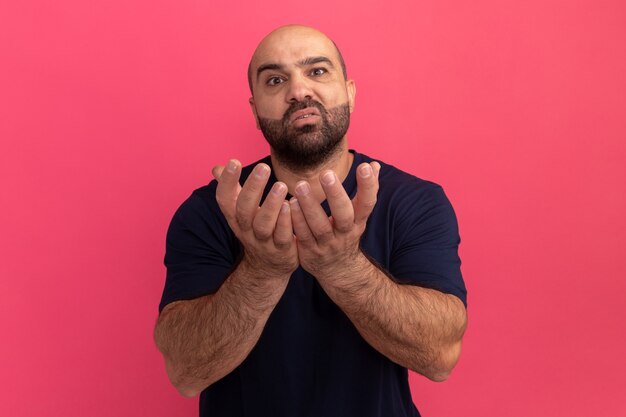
[301,101]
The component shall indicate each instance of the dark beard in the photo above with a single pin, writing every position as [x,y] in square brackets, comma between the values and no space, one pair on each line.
[308,146]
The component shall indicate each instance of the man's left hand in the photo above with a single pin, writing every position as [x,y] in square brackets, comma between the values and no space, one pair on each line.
[327,246]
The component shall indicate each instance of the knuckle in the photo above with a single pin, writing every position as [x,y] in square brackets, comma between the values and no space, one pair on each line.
[281,243]
[254,186]
[369,203]
[262,235]
[262,218]
[325,236]
[245,198]
[304,235]
[344,227]
[335,192]
[262,232]
[270,208]
[225,204]
[242,220]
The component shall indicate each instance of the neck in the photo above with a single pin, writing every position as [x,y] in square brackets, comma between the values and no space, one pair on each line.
[340,162]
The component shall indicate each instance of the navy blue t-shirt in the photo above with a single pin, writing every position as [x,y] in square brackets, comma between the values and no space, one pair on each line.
[310,360]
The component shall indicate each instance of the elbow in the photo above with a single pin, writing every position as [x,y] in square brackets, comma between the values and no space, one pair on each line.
[448,355]
[187,392]
[184,389]
[180,382]
[438,376]
[438,373]
[173,368]
[442,367]
[178,377]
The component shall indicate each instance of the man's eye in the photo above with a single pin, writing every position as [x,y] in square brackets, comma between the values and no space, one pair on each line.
[318,71]
[274,81]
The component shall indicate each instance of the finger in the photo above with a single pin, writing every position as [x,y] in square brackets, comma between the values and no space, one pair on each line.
[265,219]
[367,188]
[299,224]
[217,171]
[283,233]
[314,214]
[228,189]
[250,196]
[340,205]
[376,167]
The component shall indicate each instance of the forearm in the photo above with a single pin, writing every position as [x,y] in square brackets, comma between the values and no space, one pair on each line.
[203,340]
[416,327]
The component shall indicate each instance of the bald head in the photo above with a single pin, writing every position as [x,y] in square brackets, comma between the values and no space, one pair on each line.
[276,40]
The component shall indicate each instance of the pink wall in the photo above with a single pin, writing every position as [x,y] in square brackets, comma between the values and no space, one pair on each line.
[112,112]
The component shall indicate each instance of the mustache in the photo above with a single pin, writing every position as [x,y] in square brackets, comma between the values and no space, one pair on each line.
[300,105]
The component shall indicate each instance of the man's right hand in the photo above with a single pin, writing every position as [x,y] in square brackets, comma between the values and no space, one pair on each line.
[265,232]
[204,339]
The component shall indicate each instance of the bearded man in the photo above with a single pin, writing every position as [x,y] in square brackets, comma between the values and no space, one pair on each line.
[311,289]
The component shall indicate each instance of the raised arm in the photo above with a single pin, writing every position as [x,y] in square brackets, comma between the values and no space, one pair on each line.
[416,327]
[204,339]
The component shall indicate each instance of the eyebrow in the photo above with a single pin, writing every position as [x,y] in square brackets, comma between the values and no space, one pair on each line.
[312,60]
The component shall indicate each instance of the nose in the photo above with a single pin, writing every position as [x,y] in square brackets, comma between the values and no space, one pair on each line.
[299,89]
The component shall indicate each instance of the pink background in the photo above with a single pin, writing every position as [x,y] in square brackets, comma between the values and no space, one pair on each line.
[112,112]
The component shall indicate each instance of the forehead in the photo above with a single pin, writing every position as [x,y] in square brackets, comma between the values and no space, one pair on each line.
[285,47]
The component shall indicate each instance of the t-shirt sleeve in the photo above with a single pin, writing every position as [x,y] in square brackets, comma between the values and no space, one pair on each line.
[426,241]
[200,249]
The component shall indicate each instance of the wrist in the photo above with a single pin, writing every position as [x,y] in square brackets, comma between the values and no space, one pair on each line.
[255,290]
[352,286]
[350,269]
[259,273]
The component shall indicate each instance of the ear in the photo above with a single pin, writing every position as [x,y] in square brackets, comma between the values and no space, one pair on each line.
[253,108]
[351,89]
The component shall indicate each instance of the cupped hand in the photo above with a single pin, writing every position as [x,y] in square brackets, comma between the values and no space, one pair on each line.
[329,245]
[265,231]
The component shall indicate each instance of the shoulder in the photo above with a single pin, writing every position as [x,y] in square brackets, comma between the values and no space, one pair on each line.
[401,187]
[410,206]
[199,206]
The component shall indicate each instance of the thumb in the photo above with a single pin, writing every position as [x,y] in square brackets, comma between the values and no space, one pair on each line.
[217,171]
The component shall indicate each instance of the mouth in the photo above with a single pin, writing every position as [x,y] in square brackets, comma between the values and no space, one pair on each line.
[308,114]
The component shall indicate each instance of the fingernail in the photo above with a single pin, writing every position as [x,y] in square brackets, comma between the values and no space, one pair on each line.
[278,188]
[261,171]
[231,166]
[284,208]
[303,188]
[328,178]
[294,204]
[366,171]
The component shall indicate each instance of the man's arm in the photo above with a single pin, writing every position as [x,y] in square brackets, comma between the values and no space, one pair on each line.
[416,327]
[204,339]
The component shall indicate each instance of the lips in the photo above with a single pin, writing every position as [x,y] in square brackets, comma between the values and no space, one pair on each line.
[304,114]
